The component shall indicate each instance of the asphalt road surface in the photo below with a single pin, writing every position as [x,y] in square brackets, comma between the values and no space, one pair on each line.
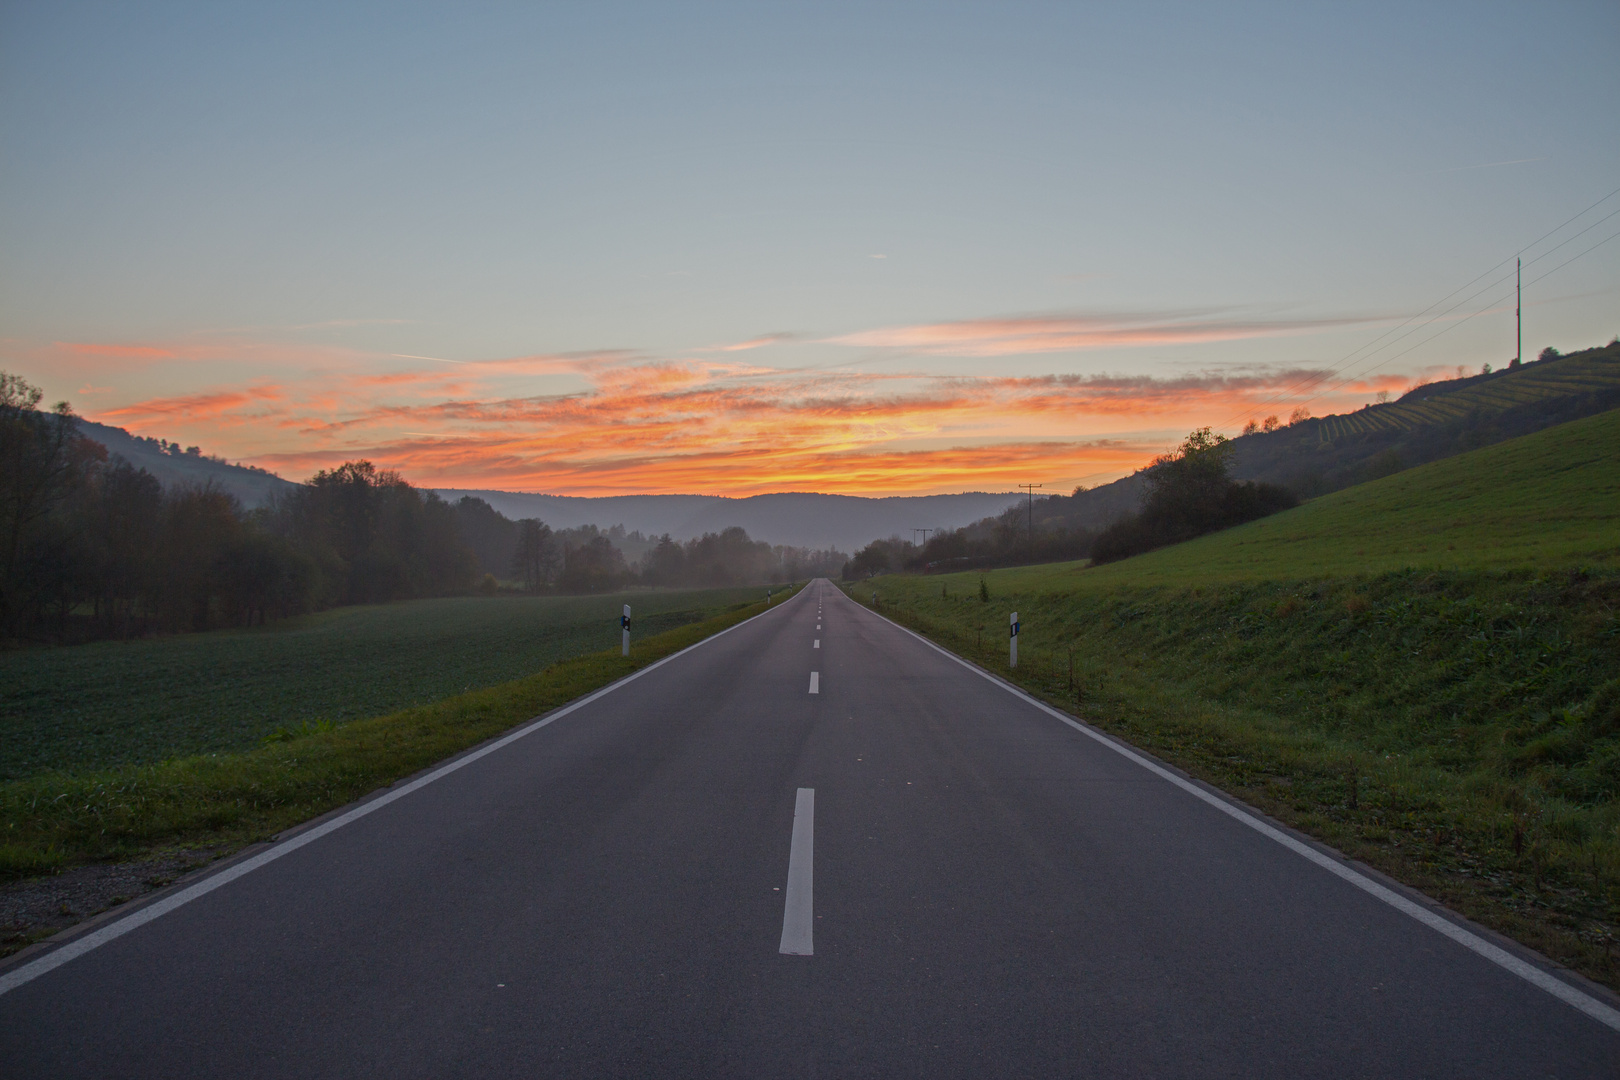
[812,846]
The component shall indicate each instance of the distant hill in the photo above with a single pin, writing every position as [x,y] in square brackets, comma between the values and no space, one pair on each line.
[803,519]
[175,466]
[1430,422]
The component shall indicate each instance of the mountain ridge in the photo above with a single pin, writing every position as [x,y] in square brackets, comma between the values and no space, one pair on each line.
[800,518]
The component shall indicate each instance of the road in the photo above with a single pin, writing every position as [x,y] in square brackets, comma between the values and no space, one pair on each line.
[643,887]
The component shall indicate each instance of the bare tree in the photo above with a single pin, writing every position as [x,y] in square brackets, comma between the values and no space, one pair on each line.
[534,563]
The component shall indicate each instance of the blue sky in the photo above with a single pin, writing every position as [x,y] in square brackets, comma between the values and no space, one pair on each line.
[308,198]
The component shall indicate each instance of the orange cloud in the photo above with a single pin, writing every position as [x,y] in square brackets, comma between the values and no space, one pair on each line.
[190,409]
[617,421]
[524,465]
[704,426]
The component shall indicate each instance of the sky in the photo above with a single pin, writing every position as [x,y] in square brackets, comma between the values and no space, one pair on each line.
[872,249]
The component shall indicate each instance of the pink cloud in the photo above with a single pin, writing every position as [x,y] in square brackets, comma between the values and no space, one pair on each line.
[1065,333]
[758,342]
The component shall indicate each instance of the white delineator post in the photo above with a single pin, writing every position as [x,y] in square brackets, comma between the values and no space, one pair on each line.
[1012,649]
[624,621]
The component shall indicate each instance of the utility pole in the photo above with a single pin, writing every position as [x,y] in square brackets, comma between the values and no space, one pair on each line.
[1031,489]
[925,533]
[1518,309]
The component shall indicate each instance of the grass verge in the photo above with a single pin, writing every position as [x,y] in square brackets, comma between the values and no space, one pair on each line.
[1458,730]
[224,801]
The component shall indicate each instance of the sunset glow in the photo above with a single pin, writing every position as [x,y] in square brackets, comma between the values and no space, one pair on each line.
[590,251]
[621,423]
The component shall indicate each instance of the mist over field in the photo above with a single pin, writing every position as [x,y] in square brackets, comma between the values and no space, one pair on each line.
[805,519]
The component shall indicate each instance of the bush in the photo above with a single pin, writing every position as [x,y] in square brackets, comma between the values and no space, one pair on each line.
[1190,494]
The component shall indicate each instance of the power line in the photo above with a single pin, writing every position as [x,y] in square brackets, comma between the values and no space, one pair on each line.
[1316,380]
[1465,318]
[1349,359]
[1471,297]
[1031,489]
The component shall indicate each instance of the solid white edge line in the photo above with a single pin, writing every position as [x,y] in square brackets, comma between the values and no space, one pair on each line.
[1570,995]
[798,919]
[28,972]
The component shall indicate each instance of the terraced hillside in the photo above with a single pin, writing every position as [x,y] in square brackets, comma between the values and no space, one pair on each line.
[1429,423]
[1596,371]
[1432,422]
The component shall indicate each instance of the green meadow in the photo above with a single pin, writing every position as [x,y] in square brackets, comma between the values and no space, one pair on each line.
[1423,670]
[220,801]
[1551,499]
[121,703]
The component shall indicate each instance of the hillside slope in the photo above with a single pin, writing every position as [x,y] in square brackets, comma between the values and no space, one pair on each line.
[1542,500]
[253,487]
[1429,423]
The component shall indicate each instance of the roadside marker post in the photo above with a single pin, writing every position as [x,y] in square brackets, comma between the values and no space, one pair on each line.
[624,621]
[1012,649]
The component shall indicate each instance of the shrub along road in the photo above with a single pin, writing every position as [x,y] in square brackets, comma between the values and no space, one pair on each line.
[976,888]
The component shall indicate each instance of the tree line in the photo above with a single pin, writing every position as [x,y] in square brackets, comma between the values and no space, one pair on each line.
[590,559]
[93,547]
[1189,492]
[1018,536]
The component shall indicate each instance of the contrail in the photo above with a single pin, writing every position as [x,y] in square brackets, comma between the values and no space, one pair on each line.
[413,356]
[1487,165]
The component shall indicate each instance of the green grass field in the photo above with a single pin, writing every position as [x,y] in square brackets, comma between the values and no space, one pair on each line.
[1551,499]
[112,703]
[220,801]
[1423,671]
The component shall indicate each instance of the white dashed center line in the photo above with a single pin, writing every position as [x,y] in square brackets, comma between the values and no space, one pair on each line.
[797,919]
[815,682]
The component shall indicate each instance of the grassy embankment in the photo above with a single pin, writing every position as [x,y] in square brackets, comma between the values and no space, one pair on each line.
[1423,671]
[272,779]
